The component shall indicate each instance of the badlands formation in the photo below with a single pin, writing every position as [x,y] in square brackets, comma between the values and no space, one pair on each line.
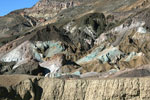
[76,50]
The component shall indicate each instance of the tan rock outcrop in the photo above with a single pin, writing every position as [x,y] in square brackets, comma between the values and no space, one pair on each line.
[50,8]
[80,89]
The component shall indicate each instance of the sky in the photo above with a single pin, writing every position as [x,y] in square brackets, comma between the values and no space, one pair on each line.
[7,6]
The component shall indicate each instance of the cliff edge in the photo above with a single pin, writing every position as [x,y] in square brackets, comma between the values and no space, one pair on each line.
[39,88]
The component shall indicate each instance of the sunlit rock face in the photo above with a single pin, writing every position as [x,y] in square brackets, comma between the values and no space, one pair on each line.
[106,55]
[24,88]
[91,38]
[19,53]
[76,40]
[54,63]
[49,8]
[141,30]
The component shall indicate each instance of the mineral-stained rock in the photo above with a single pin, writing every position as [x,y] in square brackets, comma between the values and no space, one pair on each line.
[86,29]
[142,30]
[135,62]
[106,55]
[54,63]
[21,52]
[98,39]
[91,56]
[47,48]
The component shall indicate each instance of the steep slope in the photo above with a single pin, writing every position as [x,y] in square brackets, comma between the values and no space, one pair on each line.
[104,38]
[13,25]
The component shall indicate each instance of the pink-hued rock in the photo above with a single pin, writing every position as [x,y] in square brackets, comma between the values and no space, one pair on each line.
[50,8]
[54,63]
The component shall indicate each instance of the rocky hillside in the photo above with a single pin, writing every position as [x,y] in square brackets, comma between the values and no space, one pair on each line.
[81,42]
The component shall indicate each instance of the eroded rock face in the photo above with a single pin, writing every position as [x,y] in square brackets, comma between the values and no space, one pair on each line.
[49,8]
[41,89]
[98,39]
[91,39]
[54,63]
[15,23]
[83,31]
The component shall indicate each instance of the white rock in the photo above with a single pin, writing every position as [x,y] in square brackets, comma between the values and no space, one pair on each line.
[141,30]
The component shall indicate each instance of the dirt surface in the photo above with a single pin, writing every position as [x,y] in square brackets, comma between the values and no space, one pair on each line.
[9,80]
